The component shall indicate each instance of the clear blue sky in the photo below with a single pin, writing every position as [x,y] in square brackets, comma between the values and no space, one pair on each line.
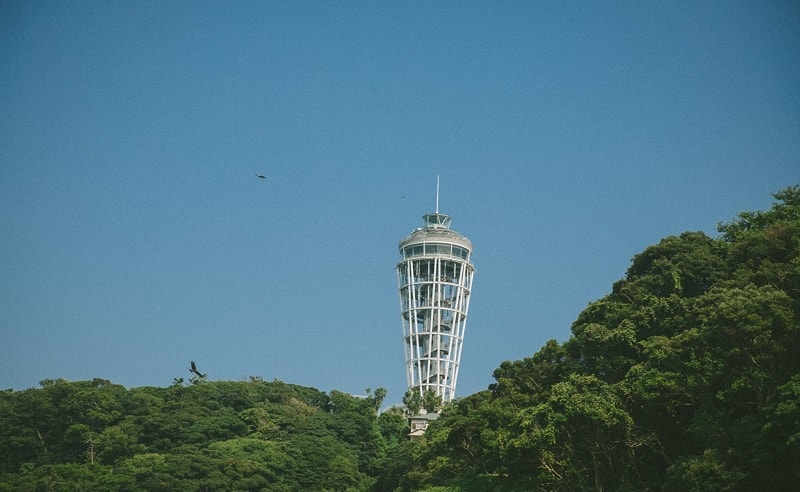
[135,237]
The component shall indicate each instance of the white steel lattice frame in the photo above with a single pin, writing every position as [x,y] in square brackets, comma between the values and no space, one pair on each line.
[435,281]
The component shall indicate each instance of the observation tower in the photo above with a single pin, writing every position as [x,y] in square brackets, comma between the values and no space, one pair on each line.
[434,277]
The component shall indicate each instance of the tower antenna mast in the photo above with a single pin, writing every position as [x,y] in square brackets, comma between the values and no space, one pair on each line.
[437,193]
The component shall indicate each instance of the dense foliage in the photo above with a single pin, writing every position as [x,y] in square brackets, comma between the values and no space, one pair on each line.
[685,377]
[214,436]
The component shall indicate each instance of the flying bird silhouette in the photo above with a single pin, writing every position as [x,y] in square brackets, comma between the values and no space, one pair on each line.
[194,370]
[260,176]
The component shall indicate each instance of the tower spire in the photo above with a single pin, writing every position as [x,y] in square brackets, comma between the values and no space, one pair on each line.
[437,193]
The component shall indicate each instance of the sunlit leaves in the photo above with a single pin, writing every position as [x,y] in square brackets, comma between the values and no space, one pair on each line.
[256,435]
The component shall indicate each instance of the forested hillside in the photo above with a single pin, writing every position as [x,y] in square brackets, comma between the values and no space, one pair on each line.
[207,436]
[686,376]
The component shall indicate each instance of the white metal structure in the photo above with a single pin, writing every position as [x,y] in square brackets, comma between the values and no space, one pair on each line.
[435,279]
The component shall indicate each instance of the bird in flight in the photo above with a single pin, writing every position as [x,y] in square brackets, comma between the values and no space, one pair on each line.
[260,176]
[194,370]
